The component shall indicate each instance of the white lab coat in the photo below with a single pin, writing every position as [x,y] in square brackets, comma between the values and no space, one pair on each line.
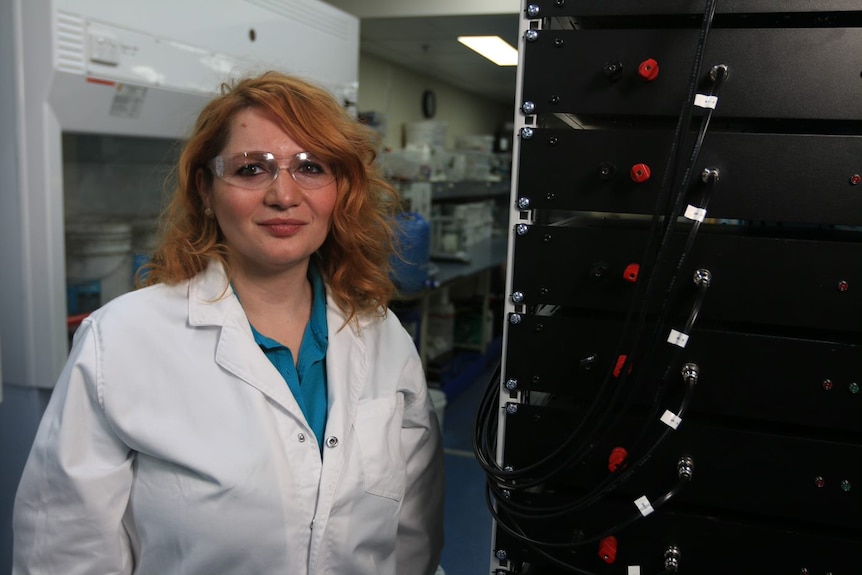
[171,445]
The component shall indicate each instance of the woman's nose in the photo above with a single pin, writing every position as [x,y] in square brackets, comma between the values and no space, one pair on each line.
[284,189]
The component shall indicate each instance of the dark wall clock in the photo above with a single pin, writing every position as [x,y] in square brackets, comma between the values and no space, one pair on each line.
[429,103]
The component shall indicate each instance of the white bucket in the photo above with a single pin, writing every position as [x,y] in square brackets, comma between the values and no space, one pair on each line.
[144,239]
[438,400]
[99,250]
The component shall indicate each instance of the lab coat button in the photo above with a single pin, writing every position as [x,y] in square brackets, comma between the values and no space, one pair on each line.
[301,437]
[331,441]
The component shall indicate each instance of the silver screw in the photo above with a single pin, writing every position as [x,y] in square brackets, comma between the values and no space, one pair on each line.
[709,174]
[522,229]
[671,559]
[524,203]
[528,107]
[512,408]
[533,11]
[526,133]
[518,297]
[531,35]
[515,318]
[716,70]
[685,468]
[511,384]
[501,554]
[690,372]
[702,277]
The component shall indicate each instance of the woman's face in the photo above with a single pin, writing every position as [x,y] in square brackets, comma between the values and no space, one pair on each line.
[279,226]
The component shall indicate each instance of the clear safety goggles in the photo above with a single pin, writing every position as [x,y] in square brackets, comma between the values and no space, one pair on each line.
[258,170]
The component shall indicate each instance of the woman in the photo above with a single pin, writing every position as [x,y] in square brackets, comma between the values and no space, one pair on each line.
[253,410]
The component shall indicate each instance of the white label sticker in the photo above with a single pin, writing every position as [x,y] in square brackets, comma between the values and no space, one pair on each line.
[704,101]
[671,419]
[128,101]
[695,213]
[644,505]
[677,338]
[634,570]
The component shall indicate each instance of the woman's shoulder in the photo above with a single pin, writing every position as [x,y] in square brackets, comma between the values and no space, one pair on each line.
[143,306]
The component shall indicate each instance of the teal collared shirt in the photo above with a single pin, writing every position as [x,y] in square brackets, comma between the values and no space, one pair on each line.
[306,380]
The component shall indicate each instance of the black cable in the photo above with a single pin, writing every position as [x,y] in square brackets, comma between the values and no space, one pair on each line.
[516,531]
[624,474]
[486,426]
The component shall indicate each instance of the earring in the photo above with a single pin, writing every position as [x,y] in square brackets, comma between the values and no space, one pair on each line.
[208,212]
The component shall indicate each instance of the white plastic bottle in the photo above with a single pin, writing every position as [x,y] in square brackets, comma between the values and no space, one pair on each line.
[441,325]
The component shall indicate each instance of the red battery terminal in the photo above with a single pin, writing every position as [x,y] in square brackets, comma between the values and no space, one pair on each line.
[608,549]
[640,173]
[648,70]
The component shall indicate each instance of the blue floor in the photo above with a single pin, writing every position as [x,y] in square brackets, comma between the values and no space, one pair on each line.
[467,550]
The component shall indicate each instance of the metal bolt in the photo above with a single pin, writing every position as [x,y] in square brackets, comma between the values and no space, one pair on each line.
[843,286]
[501,554]
[526,133]
[612,68]
[524,203]
[702,277]
[819,481]
[539,328]
[719,70]
[522,229]
[518,297]
[546,238]
[671,559]
[533,11]
[853,387]
[558,42]
[528,107]
[544,291]
[709,175]
[560,3]
[845,485]
[506,494]
[515,319]
[804,571]
[550,196]
[690,372]
[511,408]
[555,99]
[531,35]
[511,384]
[827,384]
[685,468]
[855,180]
[553,141]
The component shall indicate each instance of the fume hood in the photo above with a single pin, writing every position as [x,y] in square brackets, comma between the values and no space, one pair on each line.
[104,90]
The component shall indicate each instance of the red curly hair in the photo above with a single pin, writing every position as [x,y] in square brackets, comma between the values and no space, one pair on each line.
[354,259]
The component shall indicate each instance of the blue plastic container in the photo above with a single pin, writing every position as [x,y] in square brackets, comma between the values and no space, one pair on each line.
[413,251]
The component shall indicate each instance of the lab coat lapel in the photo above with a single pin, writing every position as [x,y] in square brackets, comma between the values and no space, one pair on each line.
[346,371]
[212,303]
[346,377]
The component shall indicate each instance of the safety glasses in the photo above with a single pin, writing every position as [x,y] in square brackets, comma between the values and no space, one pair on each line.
[258,170]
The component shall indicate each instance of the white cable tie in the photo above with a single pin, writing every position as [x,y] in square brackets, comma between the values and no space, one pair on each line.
[677,338]
[671,419]
[704,101]
[644,505]
[634,570]
[694,213]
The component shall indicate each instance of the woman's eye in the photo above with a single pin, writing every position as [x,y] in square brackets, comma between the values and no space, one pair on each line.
[310,169]
[248,170]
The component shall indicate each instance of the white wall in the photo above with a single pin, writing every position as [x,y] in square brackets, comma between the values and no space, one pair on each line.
[396,92]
